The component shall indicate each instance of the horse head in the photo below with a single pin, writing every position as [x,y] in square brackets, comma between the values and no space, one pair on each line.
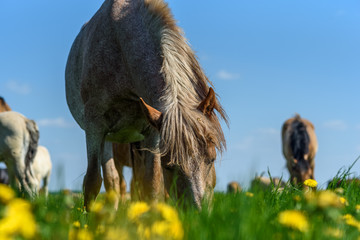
[301,171]
[192,177]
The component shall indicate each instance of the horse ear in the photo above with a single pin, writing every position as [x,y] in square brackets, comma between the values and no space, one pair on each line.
[208,104]
[153,116]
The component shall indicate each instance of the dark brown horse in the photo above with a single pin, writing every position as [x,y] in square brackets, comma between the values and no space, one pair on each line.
[131,77]
[299,146]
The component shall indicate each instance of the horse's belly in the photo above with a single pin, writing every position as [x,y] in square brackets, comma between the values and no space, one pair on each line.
[125,136]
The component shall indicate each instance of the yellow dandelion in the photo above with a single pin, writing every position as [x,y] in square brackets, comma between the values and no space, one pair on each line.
[297,198]
[144,232]
[86,226]
[328,199]
[357,207]
[310,183]
[116,234]
[66,192]
[112,197]
[100,229]
[79,234]
[249,194]
[167,212]
[96,207]
[6,194]
[176,230]
[339,191]
[137,209]
[343,201]
[76,224]
[351,221]
[14,223]
[334,233]
[294,219]
[171,227]
[160,228]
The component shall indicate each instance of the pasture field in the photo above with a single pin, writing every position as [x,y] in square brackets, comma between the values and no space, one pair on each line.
[252,214]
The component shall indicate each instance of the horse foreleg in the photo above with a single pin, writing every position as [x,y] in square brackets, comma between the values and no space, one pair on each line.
[153,185]
[92,180]
[110,173]
[121,157]
[45,189]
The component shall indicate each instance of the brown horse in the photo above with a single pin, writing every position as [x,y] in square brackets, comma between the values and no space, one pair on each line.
[233,187]
[299,146]
[130,77]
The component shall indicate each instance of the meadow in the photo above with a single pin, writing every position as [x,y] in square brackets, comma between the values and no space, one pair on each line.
[252,214]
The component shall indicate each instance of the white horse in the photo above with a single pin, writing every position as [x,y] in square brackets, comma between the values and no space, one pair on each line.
[18,144]
[41,168]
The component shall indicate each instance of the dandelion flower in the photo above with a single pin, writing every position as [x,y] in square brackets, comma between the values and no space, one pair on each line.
[329,199]
[334,233]
[249,194]
[343,201]
[111,197]
[339,191]
[96,207]
[76,224]
[167,212]
[14,223]
[6,194]
[297,198]
[351,221]
[294,219]
[310,183]
[137,209]
[79,234]
[116,234]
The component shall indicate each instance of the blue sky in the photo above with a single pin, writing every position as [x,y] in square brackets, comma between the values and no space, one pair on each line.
[267,60]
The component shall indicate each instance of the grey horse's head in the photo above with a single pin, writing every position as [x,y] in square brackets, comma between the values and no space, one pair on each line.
[188,165]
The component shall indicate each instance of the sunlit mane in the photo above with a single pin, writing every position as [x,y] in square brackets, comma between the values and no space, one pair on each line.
[184,127]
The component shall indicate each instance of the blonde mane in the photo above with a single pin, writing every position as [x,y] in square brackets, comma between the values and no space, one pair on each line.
[185,130]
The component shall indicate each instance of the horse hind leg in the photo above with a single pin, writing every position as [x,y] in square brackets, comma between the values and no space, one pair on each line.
[92,180]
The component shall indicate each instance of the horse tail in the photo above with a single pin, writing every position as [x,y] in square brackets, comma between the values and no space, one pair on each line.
[299,139]
[33,144]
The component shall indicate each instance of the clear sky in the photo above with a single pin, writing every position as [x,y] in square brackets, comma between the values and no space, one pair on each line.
[267,59]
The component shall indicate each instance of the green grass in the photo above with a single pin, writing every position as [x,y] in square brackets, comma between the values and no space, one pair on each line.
[231,216]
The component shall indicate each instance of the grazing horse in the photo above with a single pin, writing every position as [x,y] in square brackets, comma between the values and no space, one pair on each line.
[41,165]
[299,145]
[18,144]
[131,76]
[42,169]
[233,187]
[265,183]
